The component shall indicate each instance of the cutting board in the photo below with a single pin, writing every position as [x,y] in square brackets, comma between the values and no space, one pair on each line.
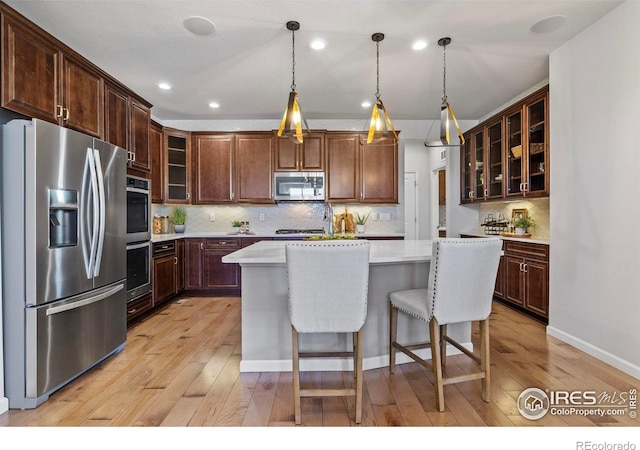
[514,235]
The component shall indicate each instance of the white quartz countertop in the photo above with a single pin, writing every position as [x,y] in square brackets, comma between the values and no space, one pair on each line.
[382,252]
[223,234]
[533,239]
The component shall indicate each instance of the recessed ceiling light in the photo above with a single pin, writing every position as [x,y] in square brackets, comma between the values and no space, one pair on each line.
[548,24]
[164,86]
[214,105]
[317,44]
[200,26]
[365,104]
[419,45]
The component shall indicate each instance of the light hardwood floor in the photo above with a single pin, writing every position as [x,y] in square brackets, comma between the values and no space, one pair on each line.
[180,368]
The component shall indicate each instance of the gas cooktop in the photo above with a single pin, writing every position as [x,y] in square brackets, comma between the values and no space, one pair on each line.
[300,231]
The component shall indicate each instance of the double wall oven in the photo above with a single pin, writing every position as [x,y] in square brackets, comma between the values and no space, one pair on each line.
[138,237]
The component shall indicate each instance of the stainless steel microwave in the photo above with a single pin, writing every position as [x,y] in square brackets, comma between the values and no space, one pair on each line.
[298,186]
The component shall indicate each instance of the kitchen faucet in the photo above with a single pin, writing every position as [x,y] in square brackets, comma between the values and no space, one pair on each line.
[328,217]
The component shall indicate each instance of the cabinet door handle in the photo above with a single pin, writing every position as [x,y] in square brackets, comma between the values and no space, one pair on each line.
[175,260]
[201,245]
[59,110]
[223,242]
[486,192]
[66,114]
[524,267]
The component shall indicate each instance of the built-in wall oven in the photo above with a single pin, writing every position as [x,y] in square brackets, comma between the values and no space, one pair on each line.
[138,237]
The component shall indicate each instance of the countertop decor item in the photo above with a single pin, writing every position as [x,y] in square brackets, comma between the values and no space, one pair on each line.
[522,223]
[179,217]
[236,224]
[361,221]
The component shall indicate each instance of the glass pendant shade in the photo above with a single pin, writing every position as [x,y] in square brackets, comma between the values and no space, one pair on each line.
[291,125]
[380,125]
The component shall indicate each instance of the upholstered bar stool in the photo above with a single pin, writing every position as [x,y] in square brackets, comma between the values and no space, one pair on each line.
[462,278]
[328,287]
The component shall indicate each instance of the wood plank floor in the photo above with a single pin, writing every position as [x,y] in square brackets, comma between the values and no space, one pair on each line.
[180,368]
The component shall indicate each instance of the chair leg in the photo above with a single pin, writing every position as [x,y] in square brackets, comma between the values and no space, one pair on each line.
[436,363]
[485,362]
[393,331]
[358,376]
[443,344]
[296,376]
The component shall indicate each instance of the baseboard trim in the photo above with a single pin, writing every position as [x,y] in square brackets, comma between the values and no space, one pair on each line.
[596,352]
[339,364]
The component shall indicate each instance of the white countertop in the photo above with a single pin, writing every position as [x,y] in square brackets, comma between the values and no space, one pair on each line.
[533,239]
[222,234]
[382,252]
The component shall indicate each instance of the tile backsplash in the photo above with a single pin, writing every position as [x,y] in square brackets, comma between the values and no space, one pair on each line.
[538,211]
[282,215]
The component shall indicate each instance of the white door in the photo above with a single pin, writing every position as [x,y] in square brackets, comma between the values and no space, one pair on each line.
[410,205]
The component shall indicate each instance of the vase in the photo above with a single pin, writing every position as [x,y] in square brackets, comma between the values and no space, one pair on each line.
[236,229]
[179,228]
[360,228]
[521,231]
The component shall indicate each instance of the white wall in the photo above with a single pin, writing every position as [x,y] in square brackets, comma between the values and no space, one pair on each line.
[595,206]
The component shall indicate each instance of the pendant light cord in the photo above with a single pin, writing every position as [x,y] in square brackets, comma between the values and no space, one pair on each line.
[444,73]
[378,70]
[293,58]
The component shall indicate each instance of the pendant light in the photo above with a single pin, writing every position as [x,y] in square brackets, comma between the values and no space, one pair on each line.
[291,125]
[446,112]
[380,123]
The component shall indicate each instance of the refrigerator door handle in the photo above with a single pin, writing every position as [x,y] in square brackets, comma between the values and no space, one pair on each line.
[85,302]
[102,212]
[96,211]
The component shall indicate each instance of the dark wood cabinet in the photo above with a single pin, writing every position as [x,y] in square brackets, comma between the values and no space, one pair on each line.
[157,162]
[140,122]
[177,165]
[442,187]
[342,167]
[166,272]
[526,274]
[507,156]
[180,276]
[40,80]
[254,168]
[379,172]
[357,172]
[136,308]
[233,168]
[205,269]
[116,118]
[305,157]
[213,179]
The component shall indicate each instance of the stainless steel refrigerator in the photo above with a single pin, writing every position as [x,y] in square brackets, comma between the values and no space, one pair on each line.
[63,256]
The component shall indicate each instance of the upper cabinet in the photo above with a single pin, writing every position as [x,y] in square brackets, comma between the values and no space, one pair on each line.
[233,168]
[156,154]
[507,156]
[177,165]
[305,157]
[357,172]
[40,80]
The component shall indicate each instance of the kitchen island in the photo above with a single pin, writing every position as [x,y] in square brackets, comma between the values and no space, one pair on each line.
[266,329]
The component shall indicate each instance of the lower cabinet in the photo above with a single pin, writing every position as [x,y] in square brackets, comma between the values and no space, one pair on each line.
[523,277]
[204,267]
[138,307]
[168,270]
[526,274]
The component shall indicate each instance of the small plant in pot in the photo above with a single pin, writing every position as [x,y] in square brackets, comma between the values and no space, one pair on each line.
[361,221]
[522,224]
[179,217]
[236,224]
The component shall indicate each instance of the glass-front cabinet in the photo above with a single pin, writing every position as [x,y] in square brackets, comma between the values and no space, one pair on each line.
[507,156]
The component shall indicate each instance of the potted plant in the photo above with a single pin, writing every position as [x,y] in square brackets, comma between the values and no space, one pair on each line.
[522,223]
[236,224]
[178,217]
[361,221]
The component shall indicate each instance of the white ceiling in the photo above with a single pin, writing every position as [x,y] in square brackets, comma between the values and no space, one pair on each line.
[245,66]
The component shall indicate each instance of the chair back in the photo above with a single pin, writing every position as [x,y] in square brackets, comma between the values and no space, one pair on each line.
[328,285]
[462,279]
